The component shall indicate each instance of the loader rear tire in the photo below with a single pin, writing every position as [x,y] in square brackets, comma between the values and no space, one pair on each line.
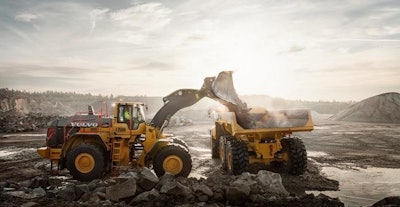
[174,160]
[237,157]
[86,162]
[296,154]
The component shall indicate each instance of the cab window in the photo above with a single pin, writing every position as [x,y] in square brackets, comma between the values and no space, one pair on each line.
[129,115]
[123,111]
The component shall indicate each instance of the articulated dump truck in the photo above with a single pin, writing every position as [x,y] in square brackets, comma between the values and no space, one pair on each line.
[92,144]
[243,136]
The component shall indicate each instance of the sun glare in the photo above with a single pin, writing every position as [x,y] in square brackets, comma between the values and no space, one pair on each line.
[258,74]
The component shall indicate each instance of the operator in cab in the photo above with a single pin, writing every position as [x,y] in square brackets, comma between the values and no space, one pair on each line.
[127,113]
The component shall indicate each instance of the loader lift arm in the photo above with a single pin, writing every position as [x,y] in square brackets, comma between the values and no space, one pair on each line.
[177,100]
[218,88]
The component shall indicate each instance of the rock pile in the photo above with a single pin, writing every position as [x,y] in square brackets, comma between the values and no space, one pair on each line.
[11,122]
[383,108]
[144,188]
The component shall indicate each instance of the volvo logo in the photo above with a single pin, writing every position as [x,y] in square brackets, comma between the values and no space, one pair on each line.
[84,124]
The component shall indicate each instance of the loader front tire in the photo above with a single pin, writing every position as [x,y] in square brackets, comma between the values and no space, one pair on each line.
[85,162]
[179,141]
[296,155]
[237,157]
[172,159]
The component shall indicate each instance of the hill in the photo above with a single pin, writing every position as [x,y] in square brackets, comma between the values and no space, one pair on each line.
[26,111]
[383,108]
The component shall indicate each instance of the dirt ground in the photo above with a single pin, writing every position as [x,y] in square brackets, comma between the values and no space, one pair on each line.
[332,144]
[18,157]
[363,144]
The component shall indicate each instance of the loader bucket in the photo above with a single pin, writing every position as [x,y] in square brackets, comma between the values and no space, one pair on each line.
[223,89]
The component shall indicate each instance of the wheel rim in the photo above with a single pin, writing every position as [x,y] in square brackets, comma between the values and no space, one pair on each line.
[285,157]
[222,151]
[84,162]
[221,154]
[229,160]
[173,164]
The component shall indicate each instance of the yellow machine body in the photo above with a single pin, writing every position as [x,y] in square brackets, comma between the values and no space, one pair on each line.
[116,138]
[263,144]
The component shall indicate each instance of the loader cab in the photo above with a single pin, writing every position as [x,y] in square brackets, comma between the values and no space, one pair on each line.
[130,113]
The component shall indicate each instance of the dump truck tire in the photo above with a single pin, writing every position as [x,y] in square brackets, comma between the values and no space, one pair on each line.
[214,148]
[85,162]
[174,160]
[237,157]
[297,155]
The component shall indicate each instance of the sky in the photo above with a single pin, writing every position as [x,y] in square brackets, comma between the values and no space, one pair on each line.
[310,50]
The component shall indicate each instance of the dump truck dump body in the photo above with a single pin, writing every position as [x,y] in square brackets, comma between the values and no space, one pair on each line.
[283,121]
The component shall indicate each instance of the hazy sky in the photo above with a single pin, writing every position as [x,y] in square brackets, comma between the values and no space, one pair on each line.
[310,50]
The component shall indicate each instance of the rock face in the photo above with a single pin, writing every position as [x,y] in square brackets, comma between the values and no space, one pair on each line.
[11,121]
[383,108]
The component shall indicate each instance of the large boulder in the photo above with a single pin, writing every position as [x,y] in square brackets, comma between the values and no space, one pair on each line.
[271,183]
[93,184]
[39,192]
[175,188]
[128,175]
[202,189]
[147,179]
[39,182]
[68,193]
[171,187]
[35,193]
[146,197]
[81,189]
[30,204]
[122,190]
[236,195]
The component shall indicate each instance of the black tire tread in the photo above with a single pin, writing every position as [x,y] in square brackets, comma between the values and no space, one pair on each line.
[297,164]
[98,156]
[172,150]
[179,141]
[240,156]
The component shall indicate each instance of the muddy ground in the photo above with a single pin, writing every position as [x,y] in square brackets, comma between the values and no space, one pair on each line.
[333,144]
